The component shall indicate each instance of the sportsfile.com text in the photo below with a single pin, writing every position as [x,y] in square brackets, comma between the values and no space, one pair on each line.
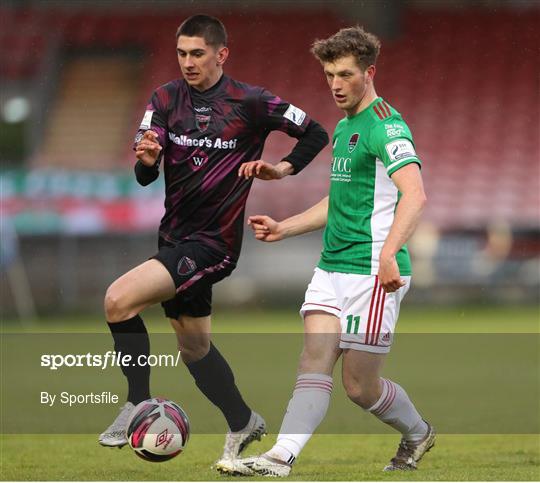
[108,359]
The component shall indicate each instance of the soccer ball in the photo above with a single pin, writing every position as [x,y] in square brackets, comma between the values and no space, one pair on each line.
[158,429]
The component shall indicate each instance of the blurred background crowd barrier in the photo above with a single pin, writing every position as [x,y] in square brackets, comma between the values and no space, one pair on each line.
[75,77]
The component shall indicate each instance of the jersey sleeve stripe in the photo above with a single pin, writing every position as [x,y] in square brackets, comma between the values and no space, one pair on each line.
[402,161]
[387,108]
[382,110]
[379,113]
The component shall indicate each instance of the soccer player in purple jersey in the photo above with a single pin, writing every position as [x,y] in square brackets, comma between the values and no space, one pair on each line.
[208,132]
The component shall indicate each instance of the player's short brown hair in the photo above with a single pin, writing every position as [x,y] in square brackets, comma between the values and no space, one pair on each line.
[355,41]
[209,28]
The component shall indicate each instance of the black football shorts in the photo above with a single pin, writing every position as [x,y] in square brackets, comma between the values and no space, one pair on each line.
[194,267]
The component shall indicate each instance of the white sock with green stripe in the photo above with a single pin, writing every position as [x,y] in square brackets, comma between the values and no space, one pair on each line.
[306,410]
[396,409]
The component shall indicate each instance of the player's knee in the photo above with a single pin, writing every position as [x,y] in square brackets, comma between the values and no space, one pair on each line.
[358,392]
[319,347]
[310,355]
[117,307]
[315,360]
[193,348]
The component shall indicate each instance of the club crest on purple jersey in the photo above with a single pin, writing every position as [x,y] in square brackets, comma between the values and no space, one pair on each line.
[186,266]
[353,141]
[202,121]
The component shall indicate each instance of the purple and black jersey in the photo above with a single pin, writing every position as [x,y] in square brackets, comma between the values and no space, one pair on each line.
[206,136]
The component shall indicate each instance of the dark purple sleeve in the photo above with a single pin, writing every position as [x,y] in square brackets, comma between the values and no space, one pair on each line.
[275,114]
[155,116]
[155,119]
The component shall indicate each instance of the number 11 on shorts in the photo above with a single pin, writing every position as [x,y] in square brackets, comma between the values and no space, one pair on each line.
[350,319]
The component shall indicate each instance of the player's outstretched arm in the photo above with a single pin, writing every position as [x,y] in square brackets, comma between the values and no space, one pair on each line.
[273,114]
[409,209]
[269,230]
[262,170]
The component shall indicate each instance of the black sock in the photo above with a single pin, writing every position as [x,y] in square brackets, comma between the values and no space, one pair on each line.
[215,379]
[130,337]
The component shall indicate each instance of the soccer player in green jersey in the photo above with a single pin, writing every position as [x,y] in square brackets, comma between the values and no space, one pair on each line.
[352,303]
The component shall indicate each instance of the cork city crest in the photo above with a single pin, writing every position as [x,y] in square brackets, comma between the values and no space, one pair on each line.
[353,141]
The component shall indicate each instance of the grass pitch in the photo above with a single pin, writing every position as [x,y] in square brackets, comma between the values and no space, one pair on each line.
[326,457]
[456,457]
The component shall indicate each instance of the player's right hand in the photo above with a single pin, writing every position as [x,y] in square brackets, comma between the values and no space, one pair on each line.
[265,228]
[147,149]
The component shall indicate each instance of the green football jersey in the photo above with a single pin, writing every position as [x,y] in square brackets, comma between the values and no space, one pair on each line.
[367,149]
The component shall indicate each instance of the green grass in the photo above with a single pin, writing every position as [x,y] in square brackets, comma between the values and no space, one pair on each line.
[326,457]
[456,457]
[466,319]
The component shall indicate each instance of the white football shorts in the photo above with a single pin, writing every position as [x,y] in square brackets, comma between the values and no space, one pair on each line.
[368,314]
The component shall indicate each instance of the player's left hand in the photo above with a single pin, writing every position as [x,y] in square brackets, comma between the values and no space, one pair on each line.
[260,169]
[389,276]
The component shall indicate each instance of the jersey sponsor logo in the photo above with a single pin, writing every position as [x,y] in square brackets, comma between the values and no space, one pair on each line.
[198,159]
[186,266]
[400,149]
[341,169]
[205,142]
[295,115]
[394,130]
[353,141]
[146,120]
[202,121]
[202,109]
[341,164]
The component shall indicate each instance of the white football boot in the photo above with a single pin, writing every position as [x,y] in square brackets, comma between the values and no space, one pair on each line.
[410,453]
[237,442]
[115,434]
[263,465]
